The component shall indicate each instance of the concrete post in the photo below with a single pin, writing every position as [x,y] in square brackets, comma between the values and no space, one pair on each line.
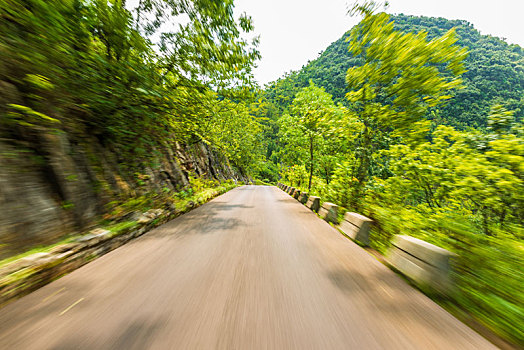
[329,212]
[357,227]
[303,197]
[313,203]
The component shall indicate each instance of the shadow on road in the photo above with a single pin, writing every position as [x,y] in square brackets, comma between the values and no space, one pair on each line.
[217,206]
[214,217]
[288,200]
[140,334]
[388,294]
[349,281]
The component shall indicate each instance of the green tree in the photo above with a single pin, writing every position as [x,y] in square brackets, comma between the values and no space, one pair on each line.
[308,126]
[206,47]
[92,66]
[402,76]
[494,72]
[237,133]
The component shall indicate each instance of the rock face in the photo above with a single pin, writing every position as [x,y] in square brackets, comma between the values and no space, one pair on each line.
[54,182]
[31,211]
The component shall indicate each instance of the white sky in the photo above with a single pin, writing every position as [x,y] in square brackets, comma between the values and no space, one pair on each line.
[295,31]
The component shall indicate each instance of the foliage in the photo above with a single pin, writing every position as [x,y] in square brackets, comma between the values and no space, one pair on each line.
[305,131]
[92,67]
[235,132]
[460,189]
[494,73]
[296,176]
[402,75]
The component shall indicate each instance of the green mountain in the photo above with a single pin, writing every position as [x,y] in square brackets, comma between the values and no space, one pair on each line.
[495,72]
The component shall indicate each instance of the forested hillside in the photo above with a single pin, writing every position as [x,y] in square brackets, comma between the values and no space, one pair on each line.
[494,73]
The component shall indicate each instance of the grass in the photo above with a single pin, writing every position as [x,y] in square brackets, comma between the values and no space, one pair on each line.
[121,227]
[39,249]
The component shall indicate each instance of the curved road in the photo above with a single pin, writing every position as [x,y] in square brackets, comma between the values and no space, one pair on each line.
[252,269]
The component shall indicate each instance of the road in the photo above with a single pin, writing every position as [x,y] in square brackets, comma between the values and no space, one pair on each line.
[252,269]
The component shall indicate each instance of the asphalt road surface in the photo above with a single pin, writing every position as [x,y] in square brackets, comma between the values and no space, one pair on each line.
[252,269]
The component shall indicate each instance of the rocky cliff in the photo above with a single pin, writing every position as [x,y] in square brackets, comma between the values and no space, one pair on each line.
[56,181]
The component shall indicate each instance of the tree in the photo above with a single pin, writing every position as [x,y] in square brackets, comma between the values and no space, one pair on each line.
[206,47]
[494,73]
[403,75]
[103,73]
[307,127]
[234,131]
[476,174]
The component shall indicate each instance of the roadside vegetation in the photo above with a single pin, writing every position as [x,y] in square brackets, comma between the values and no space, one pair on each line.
[114,72]
[123,217]
[385,153]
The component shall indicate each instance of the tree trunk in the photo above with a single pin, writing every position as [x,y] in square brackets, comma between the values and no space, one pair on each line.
[485,224]
[310,163]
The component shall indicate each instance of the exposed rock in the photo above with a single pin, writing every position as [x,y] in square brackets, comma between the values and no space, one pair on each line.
[54,183]
[150,215]
[8,94]
[27,274]
[31,259]
[144,219]
[31,212]
[68,247]
[131,216]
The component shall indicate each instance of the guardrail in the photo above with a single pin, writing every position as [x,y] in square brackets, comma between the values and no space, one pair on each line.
[425,264]
[313,203]
[329,212]
[356,227]
[303,197]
